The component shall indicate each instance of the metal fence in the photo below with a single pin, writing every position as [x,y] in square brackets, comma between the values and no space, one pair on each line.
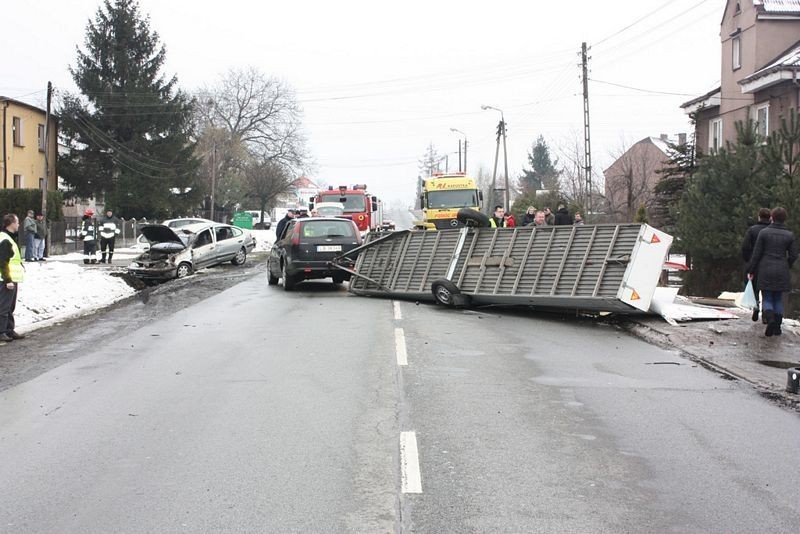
[64,236]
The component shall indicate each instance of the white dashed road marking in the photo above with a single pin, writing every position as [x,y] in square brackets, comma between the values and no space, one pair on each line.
[400,346]
[398,314]
[411,479]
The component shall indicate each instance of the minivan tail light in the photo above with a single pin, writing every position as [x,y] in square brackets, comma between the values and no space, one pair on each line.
[296,235]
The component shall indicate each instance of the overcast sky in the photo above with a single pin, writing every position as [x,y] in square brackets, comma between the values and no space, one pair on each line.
[379,81]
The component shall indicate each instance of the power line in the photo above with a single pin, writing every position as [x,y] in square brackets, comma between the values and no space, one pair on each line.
[634,23]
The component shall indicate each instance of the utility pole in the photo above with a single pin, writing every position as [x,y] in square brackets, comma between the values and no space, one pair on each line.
[587,159]
[494,172]
[213,176]
[465,154]
[46,148]
[507,195]
[459,155]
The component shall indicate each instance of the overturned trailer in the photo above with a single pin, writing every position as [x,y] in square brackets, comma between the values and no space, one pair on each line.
[603,267]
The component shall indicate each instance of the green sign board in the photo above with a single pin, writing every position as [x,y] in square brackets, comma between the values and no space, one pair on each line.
[242,219]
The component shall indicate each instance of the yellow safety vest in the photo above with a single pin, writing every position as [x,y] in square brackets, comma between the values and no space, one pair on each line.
[15,263]
[493,224]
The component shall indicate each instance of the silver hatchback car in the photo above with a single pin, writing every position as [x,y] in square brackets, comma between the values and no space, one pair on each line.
[178,252]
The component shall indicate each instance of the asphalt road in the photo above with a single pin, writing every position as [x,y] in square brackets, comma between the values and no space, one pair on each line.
[249,409]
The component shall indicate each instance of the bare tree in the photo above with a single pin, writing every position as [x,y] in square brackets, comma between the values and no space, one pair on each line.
[631,179]
[265,180]
[260,112]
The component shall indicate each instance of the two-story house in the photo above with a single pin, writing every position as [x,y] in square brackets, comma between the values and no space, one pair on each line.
[759,77]
[23,146]
[631,180]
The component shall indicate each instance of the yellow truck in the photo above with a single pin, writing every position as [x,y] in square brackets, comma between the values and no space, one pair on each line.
[443,195]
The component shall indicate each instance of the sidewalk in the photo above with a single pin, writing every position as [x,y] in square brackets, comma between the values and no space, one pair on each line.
[736,348]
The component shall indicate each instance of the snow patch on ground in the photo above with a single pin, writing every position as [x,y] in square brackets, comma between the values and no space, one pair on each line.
[264,239]
[55,290]
[64,287]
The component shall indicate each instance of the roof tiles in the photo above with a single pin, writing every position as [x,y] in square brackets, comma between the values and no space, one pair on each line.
[778,6]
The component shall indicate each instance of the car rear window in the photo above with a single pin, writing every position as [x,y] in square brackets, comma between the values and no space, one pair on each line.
[328,229]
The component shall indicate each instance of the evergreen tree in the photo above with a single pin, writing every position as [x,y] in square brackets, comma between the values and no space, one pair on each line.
[783,152]
[130,129]
[724,193]
[669,190]
[543,173]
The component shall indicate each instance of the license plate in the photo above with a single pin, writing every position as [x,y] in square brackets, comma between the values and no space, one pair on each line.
[329,248]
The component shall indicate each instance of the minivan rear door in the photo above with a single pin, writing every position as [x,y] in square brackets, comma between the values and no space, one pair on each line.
[321,240]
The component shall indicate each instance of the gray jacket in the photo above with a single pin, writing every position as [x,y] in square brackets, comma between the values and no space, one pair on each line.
[30,225]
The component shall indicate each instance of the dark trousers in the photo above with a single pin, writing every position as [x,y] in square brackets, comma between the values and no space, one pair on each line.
[8,303]
[90,250]
[107,243]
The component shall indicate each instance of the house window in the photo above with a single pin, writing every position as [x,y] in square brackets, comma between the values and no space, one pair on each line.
[737,53]
[738,8]
[762,120]
[41,138]
[16,131]
[715,136]
[17,181]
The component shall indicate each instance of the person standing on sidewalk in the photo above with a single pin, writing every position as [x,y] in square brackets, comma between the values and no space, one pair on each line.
[12,272]
[109,230]
[562,216]
[748,245]
[29,226]
[89,236]
[40,237]
[773,256]
[498,220]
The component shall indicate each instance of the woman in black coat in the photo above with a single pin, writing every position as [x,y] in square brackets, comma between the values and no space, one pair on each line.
[773,256]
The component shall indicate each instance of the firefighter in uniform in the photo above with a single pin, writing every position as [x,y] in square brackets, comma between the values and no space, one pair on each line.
[89,236]
[109,230]
[12,272]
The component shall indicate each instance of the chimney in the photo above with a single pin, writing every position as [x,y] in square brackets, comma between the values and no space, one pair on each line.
[681,138]
[664,137]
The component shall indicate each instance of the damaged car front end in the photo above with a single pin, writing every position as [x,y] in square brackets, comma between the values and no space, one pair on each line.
[169,255]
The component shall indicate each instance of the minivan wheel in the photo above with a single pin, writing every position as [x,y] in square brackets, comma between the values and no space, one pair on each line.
[240,257]
[288,282]
[271,280]
[184,269]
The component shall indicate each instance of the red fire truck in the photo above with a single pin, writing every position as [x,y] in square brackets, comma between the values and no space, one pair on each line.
[365,210]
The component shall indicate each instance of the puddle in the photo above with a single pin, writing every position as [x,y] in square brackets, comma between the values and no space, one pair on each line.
[778,364]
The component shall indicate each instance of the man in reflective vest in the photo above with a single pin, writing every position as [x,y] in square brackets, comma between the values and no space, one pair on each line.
[499,218]
[12,272]
[109,230]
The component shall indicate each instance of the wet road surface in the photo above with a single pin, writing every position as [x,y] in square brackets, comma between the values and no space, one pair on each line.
[243,408]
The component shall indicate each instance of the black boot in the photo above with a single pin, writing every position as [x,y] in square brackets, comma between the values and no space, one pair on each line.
[103,259]
[755,314]
[110,255]
[769,316]
[778,320]
[86,261]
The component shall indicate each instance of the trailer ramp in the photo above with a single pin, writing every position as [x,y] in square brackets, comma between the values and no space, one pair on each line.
[591,267]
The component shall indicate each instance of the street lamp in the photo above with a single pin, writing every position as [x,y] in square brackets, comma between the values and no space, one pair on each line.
[456,130]
[501,132]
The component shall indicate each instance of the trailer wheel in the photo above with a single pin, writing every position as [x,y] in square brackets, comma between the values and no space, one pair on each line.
[471,217]
[447,293]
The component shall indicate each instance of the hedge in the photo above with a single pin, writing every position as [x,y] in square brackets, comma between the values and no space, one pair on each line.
[19,201]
